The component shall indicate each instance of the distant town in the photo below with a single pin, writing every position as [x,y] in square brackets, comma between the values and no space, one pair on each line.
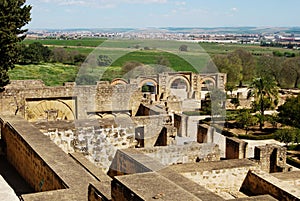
[281,37]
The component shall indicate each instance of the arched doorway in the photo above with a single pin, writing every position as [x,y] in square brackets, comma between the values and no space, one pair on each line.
[180,87]
[207,85]
[149,89]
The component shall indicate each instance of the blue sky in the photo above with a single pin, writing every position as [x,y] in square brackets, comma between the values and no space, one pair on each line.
[162,13]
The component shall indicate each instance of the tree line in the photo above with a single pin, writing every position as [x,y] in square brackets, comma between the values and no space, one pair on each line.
[241,67]
[36,53]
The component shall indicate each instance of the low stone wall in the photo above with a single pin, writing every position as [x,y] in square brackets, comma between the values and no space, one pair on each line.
[190,153]
[43,164]
[221,177]
[131,161]
[27,162]
[260,183]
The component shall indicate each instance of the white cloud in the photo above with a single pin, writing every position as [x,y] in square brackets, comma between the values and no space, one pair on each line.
[234,9]
[180,3]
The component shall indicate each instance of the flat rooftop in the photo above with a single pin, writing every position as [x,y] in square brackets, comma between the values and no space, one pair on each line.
[68,170]
[212,165]
[154,186]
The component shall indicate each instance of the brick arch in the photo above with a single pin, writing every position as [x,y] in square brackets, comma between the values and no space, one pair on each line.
[182,77]
[204,81]
[51,110]
[118,81]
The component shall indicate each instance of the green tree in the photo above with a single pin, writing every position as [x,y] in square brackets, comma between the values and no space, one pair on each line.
[291,71]
[286,135]
[35,53]
[270,66]
[231,65]
[247,63]
[14,14]
[245,119]
[130,65]
[289,112]
[104,60]
[60,55]
[183,48]
[265,93]
[163,61]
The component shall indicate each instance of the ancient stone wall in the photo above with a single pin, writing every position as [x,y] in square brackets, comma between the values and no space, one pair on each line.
[271,158]
[28,163]
[208,134]
[221,181]
[153,126]
[122,193]
[98,192]
[235,148]
[260,183]
[123,163]
[189,153]
[100,97]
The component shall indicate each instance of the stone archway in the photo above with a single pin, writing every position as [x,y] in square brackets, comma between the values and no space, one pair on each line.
[180,87]
[149,89]
[118,81]
[50,110]
[149,82]
[207,84]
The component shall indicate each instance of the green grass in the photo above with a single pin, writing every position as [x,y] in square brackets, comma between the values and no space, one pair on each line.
[151,57]
[87,42]
[57,74]
[52,74]
[217,48]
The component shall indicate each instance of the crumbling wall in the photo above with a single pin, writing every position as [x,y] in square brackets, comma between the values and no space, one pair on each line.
[271,158]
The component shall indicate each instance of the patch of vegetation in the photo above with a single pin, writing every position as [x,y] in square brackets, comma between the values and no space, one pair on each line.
[257,137]
[52,74]
[86,42]
[151,57]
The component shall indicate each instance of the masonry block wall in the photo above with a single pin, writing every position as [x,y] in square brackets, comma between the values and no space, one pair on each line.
[28,163]
[235,148]
[260,183]
[190,153]
[272,158]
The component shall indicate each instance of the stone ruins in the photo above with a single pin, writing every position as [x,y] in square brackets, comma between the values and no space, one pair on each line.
[129,140]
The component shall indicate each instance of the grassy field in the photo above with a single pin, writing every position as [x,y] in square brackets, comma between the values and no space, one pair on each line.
[52,74]
[88,42]
[124,51]
[215,48]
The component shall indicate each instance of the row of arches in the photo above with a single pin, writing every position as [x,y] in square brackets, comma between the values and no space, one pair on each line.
[177,82]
